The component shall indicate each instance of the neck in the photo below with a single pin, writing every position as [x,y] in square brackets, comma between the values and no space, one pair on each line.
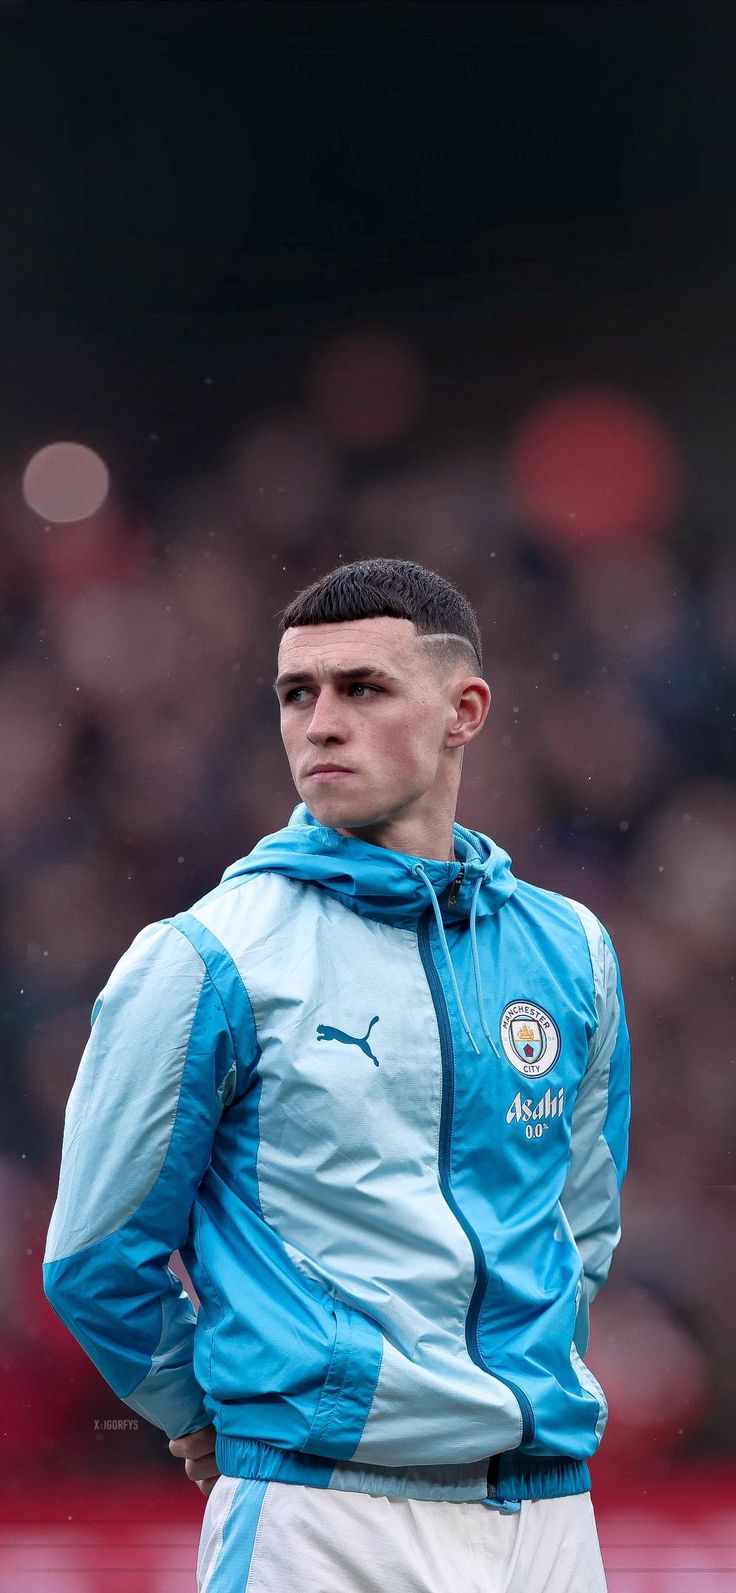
[424,827]
[412,838]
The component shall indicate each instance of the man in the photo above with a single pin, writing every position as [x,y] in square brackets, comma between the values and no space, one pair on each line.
[375,1090]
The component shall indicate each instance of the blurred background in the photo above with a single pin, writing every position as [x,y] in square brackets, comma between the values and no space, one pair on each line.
[287,284]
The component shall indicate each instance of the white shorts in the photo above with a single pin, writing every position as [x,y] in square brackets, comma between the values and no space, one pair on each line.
[275,1537]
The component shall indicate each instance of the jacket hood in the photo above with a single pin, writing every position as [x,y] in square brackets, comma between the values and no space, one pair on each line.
[379,883]
[394,886]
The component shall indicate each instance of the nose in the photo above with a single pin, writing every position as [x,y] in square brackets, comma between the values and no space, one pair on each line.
[326,724]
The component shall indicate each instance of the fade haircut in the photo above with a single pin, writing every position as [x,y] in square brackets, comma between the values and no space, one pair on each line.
[402,590]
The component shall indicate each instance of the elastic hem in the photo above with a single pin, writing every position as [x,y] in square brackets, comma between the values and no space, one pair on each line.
[540,1476]
[518,1476]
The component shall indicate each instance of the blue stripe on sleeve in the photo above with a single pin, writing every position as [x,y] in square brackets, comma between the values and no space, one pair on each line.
[140,1128]
[227,981]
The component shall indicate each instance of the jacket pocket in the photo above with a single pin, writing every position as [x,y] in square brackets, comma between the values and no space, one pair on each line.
[434,1404]
[349,1387]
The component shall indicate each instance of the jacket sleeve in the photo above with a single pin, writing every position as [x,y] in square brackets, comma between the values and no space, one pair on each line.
[156,1073]
[591,1198]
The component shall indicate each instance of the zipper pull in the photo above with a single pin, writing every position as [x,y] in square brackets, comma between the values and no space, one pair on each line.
[455,886]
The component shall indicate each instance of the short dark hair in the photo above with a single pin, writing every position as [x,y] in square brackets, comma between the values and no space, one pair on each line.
[396,587]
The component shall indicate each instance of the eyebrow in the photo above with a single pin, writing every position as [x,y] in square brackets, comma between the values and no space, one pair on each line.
[304,677]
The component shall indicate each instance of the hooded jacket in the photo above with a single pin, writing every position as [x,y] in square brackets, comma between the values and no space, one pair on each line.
[380,1105]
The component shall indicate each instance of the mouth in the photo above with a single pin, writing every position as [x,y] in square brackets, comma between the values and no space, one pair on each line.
[327,772]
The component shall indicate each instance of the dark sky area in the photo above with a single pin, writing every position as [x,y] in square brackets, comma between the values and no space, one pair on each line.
[196,190]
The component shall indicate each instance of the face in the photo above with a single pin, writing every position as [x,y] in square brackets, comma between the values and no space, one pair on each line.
[368,723]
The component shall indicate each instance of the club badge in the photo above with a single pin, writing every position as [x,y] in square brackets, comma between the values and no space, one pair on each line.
[530,1038]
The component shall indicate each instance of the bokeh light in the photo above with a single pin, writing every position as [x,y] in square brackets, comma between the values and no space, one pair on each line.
[367,388]
[594,466]
[65,481]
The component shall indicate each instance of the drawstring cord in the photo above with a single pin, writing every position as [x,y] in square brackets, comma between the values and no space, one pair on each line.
[476,961]
[420,872]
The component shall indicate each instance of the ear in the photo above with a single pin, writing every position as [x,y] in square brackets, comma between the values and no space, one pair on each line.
[471,700]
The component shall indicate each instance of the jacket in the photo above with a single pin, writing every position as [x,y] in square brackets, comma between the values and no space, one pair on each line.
[380,1105]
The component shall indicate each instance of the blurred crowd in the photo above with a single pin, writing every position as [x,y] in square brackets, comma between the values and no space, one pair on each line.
[141,756]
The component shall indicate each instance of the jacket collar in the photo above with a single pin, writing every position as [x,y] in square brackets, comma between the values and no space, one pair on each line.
[379,883]
[393,886]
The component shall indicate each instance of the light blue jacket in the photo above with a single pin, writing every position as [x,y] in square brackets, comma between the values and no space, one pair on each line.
[380,1104]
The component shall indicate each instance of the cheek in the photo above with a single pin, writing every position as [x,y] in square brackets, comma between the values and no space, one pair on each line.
[409,748]
[290,740]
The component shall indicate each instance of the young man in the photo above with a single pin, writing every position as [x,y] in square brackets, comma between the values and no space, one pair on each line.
[375,1090]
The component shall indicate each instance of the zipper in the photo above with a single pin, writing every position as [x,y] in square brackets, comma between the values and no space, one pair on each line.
[445,1138]
[455,886]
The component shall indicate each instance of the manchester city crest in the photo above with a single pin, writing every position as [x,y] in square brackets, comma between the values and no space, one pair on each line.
[530,1038]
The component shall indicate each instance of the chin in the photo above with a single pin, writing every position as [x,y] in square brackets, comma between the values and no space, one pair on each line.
[337,815]
[334,817]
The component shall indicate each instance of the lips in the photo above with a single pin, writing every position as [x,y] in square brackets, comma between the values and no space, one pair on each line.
[327,768]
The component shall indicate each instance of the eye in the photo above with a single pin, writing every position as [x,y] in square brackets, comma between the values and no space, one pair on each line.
[360,685]
[296,694]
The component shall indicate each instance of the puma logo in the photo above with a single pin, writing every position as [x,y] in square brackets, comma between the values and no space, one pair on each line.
[325,1032]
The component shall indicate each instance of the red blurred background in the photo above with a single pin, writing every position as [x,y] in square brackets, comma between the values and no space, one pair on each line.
[292,293]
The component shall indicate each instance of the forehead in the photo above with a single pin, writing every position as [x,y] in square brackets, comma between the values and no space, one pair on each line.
[383,643]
